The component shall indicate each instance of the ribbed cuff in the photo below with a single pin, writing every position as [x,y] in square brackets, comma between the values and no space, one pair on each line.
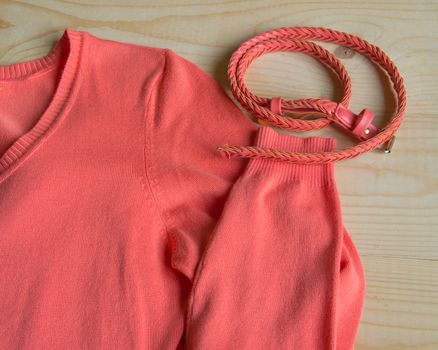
[314,174]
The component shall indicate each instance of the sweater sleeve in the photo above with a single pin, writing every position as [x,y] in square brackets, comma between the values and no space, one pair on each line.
[280,271]
[189,115]
[263,242]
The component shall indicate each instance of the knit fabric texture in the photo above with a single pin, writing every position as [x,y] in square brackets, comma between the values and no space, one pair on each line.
[122,227]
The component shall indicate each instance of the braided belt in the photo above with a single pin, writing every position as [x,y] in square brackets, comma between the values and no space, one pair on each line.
[269,111]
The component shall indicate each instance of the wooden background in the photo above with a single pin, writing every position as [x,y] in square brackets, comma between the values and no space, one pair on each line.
[389,202]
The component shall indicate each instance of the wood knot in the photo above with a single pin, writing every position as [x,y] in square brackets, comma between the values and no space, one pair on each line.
[344,52]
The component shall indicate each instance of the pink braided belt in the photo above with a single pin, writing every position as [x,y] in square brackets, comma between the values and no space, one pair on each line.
[269,111]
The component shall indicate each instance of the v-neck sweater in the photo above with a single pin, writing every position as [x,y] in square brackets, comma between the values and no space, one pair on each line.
[122,227]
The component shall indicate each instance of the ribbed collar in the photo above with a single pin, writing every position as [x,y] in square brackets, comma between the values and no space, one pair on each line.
[66,53]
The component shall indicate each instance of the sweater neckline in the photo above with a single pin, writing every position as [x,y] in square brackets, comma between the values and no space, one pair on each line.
[66,53]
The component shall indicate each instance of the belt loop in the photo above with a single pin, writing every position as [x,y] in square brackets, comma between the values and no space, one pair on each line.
[276,105]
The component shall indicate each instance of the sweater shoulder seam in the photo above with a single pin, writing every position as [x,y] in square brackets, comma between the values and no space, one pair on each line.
[152,182]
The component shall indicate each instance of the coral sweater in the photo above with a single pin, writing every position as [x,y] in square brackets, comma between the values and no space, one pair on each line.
[122,227]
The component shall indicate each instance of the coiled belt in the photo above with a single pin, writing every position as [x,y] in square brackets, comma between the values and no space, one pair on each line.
[269,111]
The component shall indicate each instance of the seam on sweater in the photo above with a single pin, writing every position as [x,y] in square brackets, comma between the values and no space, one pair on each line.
[154,187]
[147,147]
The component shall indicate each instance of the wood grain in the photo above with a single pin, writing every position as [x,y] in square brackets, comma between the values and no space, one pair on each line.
[389,202]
